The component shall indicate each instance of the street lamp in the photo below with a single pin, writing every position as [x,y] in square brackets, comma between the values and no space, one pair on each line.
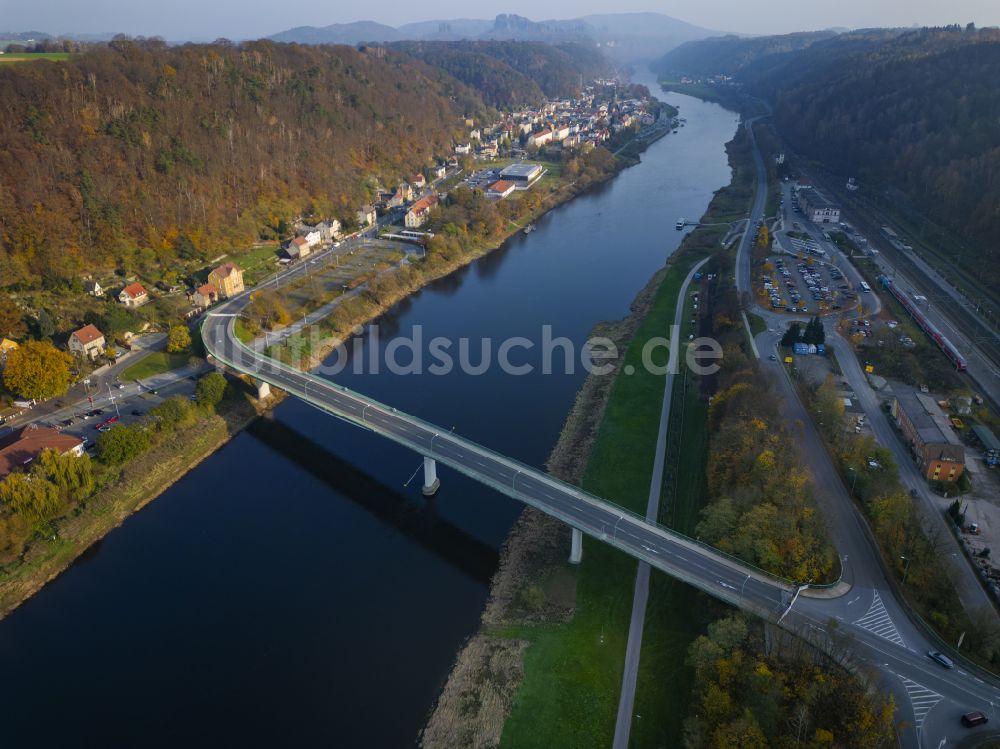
[854,479]
[906,569]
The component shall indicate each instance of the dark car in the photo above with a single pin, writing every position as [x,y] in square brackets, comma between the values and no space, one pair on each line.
[773,357]
[973,719]
[136,412]
[941,658]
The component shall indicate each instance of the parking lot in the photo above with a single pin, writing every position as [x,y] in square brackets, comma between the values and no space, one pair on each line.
[805,285]
[480,179]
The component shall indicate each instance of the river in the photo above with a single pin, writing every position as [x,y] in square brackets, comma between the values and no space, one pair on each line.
[292,590]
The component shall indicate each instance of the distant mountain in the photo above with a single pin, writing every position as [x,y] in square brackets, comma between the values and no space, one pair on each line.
[729,55]
[340,33]
[24,36]
[626,37]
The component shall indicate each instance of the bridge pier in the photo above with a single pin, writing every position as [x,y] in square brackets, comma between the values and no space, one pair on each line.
[431,482]
[263,390]
[576,547]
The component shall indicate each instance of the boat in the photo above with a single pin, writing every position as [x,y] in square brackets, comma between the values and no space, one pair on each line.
[529,228]
[680,224]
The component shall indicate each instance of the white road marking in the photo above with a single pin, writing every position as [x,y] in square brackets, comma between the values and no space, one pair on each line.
[922,700]
[877,621]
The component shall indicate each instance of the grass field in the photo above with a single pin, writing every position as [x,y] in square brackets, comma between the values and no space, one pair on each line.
[155,363]
[569,696]
[11,57]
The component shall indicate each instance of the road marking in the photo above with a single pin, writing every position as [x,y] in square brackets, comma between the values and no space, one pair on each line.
[877,621]
[922,700]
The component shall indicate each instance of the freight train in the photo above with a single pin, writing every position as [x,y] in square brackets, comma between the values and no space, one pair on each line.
[950,349]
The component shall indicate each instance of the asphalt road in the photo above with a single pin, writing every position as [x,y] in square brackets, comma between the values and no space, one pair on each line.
[868,625]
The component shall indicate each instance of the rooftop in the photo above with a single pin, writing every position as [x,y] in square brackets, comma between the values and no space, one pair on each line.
[927,418]
[523,171]
[87,334]
[23,446]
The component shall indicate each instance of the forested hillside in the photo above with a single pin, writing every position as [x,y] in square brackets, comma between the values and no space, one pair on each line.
[514,73]
[728,55]
[917,111]
[131,154]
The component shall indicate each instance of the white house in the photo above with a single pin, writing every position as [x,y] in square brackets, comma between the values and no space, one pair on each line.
[367,216]
[420,211]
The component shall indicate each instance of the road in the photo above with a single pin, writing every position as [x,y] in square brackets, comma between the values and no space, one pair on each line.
[869,624]
[640,596]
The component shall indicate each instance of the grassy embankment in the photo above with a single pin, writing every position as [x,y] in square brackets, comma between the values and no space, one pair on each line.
[569,695]
[12,57]
[121,492]
[155,363]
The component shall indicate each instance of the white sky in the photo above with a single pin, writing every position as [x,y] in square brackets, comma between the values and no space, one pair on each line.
[208,19]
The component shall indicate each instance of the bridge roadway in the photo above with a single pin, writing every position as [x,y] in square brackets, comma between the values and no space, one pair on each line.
[679,556]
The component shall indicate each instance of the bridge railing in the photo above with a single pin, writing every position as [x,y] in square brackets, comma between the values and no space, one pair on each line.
[320,382]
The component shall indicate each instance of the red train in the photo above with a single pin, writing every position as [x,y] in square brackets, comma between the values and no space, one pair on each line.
[950,349]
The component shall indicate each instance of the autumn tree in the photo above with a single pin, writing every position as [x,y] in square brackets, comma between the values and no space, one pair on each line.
[266,311]
[178,339]
[12,323]
[37,370]
[34,499]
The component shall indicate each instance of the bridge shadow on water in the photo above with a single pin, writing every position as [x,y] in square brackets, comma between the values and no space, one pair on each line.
[418,522]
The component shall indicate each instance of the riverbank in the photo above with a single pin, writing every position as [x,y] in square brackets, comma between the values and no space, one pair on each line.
[145,479]
[559,630]
[139,483]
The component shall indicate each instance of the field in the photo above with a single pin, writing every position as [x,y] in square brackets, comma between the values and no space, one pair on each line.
[155,363]
[12,57]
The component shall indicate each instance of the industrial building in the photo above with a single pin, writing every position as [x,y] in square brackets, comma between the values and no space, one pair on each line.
[523,175]
[938,451]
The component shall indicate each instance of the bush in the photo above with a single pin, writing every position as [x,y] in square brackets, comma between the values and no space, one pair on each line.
[122,444]
[174,413]
[211,390]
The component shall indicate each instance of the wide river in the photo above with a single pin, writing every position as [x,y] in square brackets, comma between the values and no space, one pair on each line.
[292,590]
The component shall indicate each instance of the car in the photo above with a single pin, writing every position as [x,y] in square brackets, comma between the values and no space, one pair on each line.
[136,412]
[772,357]
[973,719]
[104,428]
[121,385]
[941,658]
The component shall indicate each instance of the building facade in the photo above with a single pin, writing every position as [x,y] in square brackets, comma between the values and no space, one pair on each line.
[939,454]
[87,341]
[228,279]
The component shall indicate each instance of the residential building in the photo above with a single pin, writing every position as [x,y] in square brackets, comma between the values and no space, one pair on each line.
[500,189]
[87,341]
[367,216]
[19,448]
[297,248]
[418,181]
[312,236]
[93,288]
[133,295]
[205,295]
[540,138]
[475,135]
[420,211]
[463,149]
[228,279]
[522,174]
[939,453]
[440,171]
[817,208]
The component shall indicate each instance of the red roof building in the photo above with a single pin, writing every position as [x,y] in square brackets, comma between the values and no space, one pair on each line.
[21,447]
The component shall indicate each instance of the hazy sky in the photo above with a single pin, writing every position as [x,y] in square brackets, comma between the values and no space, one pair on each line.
[208,19]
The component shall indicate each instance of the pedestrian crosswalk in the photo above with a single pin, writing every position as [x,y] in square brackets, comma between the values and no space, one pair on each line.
[922,699]
[877,620]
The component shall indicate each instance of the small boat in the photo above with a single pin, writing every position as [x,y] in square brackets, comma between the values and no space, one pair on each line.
[680,224]
[529,228]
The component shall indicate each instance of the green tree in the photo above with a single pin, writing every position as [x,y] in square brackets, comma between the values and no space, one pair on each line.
[11,318]
[73,476]
[175,412]
[37,370]
[122,444]
[792,336]
[210,391]
[178,339]
[45,325]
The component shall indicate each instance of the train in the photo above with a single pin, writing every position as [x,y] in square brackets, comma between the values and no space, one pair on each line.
[947,347]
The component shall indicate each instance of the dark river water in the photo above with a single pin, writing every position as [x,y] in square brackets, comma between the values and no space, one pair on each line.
[290,590]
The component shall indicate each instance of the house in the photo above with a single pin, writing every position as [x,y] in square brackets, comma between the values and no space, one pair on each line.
[133,295]
[367,216]
[87,341]
[418,181]
[403,195]
[93,288]
[228,279]
[205,295]
[297,248]
[475,135]
[560,133]
[312,236]
[463,149]
[540,138]
[500,189]
[440,171]
[19,448]
[939,454]
[420,211]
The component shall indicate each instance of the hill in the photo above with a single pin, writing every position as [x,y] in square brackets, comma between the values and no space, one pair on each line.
[508,74]
[729,55]
[911,114]
[135,153]
[340,33]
